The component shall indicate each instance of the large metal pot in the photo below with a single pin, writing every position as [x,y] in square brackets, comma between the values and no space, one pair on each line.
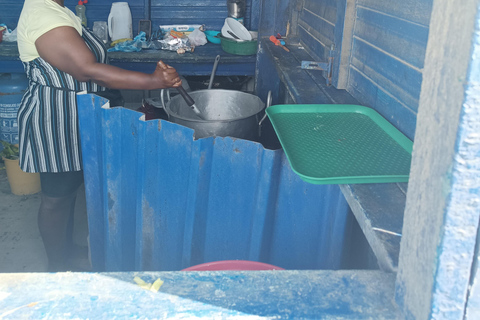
[225,113]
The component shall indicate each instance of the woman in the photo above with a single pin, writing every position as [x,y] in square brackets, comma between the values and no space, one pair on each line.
[61,58]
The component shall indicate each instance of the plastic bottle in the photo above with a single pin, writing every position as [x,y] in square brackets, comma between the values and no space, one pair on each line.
[100,29]
[80,11]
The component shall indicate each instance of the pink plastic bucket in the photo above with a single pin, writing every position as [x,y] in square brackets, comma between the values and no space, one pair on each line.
[233,265]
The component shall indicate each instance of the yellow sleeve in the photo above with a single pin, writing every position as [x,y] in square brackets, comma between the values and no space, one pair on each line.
[37,18]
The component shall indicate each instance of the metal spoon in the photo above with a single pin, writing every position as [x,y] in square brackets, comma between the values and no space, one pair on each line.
[190,102]
[215,65]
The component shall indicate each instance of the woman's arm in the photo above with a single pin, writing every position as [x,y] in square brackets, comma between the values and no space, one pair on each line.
[66,50]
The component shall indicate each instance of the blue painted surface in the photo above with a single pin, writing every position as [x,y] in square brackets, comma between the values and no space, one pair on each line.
[274,16]
[212,13]
[388,50]
[98,10]
[401,38]
[317,23]
[303,86]
[379,209]
[412,10]
[208,295]
[158,200]
[10,11]
[366,91]
[473,298]
[440,233]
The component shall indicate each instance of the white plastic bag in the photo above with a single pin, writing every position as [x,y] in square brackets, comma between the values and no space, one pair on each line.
[197,38]
[10,36]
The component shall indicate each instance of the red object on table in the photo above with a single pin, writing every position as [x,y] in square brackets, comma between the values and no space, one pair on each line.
[2,30]
[233,265]
[277,43]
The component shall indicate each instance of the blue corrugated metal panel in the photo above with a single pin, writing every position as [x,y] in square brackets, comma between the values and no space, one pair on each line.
[158,200]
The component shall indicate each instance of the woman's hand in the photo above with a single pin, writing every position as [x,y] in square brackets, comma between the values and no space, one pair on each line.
[166,76]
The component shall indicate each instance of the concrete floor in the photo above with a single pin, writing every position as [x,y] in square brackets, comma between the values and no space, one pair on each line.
[21,247]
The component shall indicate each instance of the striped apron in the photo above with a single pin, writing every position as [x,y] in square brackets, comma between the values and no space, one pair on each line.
[49,135]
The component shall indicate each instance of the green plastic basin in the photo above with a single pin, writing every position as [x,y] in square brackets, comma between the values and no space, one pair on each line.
[243,48]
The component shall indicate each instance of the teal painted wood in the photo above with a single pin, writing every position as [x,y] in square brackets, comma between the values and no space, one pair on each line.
[193,295]
[168,202]
[440,232]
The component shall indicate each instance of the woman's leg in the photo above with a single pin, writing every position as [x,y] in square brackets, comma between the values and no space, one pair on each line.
[55,216]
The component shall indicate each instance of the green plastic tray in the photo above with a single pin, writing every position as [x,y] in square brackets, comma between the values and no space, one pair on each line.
[341,144]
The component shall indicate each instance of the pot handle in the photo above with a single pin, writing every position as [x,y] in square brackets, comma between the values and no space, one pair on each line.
[163,100]
[269,103]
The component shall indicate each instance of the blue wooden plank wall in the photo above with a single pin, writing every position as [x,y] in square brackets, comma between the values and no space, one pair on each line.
[97,10]
[316,26]
[10,11]
[212,13]
[388,51]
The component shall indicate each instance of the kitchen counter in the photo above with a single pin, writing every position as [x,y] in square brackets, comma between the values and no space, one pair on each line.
[200,62]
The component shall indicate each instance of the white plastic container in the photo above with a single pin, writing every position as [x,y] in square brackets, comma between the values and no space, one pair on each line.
[233,29]
[120,21]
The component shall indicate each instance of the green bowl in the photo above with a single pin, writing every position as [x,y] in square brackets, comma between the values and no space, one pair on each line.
[238,47]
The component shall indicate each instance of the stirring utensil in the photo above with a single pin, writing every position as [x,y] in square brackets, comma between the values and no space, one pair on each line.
[212,76]
[190,102]
[233,35]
